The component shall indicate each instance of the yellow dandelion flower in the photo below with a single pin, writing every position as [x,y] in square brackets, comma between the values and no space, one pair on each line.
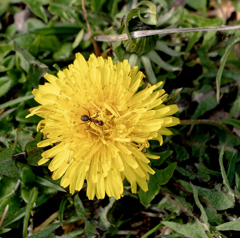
[100,125]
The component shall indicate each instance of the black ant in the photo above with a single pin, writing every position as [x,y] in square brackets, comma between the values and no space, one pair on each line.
[88,118]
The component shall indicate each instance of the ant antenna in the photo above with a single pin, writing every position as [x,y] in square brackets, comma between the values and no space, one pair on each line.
[85,109]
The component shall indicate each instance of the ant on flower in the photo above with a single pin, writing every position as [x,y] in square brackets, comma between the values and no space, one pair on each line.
[88,118]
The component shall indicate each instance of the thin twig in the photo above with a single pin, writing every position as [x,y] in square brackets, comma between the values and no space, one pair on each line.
[205,121]
[95,46]
[86,17]
[136,34]
[4,215]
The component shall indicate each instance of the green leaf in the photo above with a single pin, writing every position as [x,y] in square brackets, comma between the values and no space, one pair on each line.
[7,63]
[193,39]
[48,184]
[6,113]
[14,217]
[62,208]
[64,52]
[231,168]
[32,199]
[224,175]
[46,231]
[13,202]
[169,217]
[8,186]
[149,70]
[27,176]
[4,230]
[80,208]
[66,29]
[203,106]
[218,199]
[72,234]
[6,84]
[232,122]
[37,9]
[192,229]
[11,30]
[164,48]
[203,217]
[104,224]
[90,227]
[214,218]
[205,60]
[182,153]
[160,177]
[63,9]
[28,57]
[78,39]
[163,155]
[200,4]
[235,107]
[16,101]
[204,170]
[21,116]
[152,55]
[150,10]
[34,153]
[223,62]
[4,50]
[230,226]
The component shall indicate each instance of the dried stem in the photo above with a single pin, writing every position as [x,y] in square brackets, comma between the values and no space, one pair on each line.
[136,34]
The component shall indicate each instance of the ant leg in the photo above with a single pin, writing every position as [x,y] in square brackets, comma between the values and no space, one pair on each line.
[95,116]
[81,124]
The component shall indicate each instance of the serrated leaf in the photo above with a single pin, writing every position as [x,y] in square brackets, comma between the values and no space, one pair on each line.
[89,227]
[192,229]
[224,175]
[104,224]
[160,177]
[204,105]
[203,217]
[218,199]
